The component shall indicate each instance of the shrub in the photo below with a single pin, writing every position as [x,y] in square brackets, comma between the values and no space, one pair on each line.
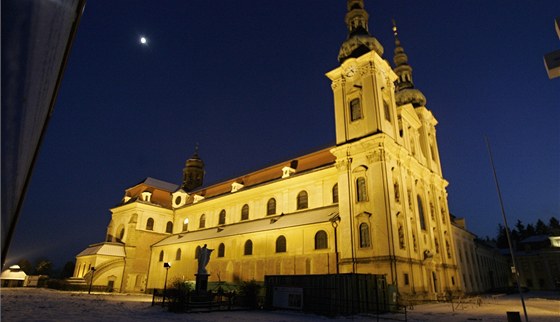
[249,291]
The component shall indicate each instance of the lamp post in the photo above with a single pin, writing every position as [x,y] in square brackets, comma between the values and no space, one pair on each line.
[91,280]
[334,223]
[167,266]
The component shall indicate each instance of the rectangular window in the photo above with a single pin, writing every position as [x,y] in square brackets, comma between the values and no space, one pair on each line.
[386,110]
[406,281]
[355,109]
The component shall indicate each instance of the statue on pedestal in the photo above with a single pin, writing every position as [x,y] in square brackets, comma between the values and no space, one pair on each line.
[203,259]
[201,286]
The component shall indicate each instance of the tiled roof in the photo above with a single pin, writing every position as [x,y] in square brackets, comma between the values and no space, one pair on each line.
[301,164]
[108,249]
[299,218]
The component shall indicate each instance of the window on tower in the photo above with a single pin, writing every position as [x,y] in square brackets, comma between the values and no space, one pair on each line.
[361,191]
[386,110]
[364,236]
[421,214]
[222,218]
[355,109]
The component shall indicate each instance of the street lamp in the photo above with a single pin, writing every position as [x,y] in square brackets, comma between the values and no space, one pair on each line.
[167,266]
[334,222]
[91,280]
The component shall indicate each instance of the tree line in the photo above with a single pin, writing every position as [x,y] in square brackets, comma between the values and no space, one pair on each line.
[44,266]
[522,231]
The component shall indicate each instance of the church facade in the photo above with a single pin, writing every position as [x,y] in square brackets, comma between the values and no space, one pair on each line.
[374,202]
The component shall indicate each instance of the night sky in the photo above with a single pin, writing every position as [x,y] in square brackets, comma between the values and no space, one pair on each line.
[245,80]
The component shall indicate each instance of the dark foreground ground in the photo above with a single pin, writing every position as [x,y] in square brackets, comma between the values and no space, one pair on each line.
[29,304]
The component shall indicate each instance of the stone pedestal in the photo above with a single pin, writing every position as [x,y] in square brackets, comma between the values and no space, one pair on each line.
[201,283]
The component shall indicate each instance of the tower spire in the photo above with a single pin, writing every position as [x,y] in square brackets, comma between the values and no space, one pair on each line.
[359,41]
[404,90]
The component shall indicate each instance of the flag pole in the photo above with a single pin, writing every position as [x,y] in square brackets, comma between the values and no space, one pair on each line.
[516,271]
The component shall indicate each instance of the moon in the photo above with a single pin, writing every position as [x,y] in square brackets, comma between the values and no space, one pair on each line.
[143,40]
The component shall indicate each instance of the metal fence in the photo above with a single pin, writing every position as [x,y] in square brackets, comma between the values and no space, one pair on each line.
[332,295]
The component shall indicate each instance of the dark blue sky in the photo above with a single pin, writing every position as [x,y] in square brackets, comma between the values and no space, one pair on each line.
[245,80]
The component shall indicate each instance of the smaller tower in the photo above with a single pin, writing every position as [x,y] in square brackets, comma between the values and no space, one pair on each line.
[359,40]
[193,173]
[404,86]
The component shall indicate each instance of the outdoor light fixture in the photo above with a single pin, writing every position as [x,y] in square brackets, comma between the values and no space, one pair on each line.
[334,221]
[167,266]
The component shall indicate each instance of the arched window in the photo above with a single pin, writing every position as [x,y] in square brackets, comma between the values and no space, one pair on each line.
[245,212]
[196,252]
[402,244]
[248,249]
[202,222]
[221,250]
[448,249]
[436,245]
[161,256]
[281,244]
[178,254]
[335,193]
[364,236]
[321,240]
[302,200]
[414,245]
[222,218]
[150,224]
[271,207]
[361,192]
[186,224]
[355,109]
[169,227]
[397,192]
[421,213]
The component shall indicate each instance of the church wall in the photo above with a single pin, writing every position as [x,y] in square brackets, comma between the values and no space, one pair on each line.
[300,257]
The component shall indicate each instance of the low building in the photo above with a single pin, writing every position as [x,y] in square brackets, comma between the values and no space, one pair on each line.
[482,266]
[538,261]
[13,277]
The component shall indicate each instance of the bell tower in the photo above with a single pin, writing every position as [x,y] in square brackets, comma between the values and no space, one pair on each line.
[193,173]
[363,84]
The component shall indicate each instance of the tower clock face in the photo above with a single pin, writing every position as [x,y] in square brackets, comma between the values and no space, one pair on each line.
[350,71]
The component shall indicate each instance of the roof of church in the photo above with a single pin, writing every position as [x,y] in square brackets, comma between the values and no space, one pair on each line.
[300,218]
[161,190]
[108,249]
[158,184]
[302,164]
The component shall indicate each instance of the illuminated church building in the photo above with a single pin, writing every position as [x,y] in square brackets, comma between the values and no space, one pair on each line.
[375,202]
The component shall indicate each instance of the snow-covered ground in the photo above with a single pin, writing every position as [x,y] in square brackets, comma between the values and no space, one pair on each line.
[30,304]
